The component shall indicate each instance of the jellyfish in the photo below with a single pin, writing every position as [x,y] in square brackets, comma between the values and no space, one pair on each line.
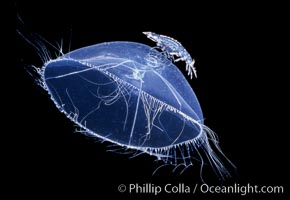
[134,96]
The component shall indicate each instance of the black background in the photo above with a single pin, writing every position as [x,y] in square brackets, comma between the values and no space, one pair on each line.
[241,86]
